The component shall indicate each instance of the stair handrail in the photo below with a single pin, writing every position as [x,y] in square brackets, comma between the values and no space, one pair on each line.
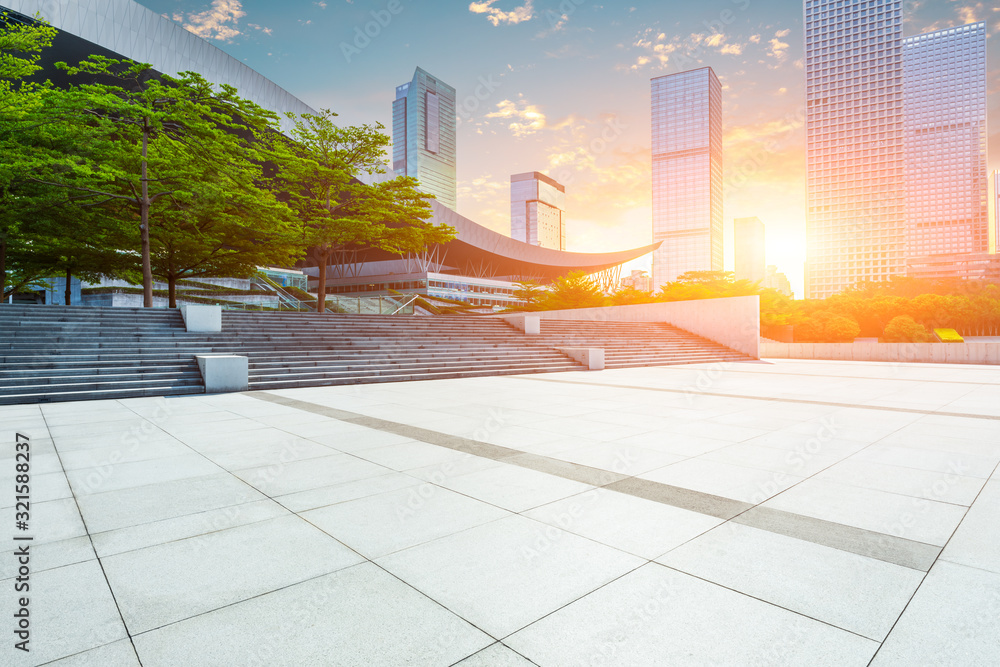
[289,299]
[405,303]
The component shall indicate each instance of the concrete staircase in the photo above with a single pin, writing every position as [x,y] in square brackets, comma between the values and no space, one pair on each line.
[634,344]
[59,353]
[309,350]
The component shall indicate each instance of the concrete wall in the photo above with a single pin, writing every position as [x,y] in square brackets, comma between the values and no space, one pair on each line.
[949,353]
[732,321]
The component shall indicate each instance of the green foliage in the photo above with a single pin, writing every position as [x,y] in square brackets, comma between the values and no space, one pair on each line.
[948,336]
[531,292]
[826,326]
[575,290]
[627,296]
[318,173]
[903,329]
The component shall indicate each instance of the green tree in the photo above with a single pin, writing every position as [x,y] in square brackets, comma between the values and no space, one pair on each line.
[318,171]
[531,292]
[574,290]
[20,100]
[626,296]
[148,140]
[903,329]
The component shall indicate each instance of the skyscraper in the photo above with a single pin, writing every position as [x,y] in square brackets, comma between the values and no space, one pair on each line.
[423,135]
[748,244]
[995,227]
[687,173]
[854,136]
[944,122]
[537,210]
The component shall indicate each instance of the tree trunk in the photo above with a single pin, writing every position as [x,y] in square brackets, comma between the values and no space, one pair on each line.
[321,287]
[3,266]
[69,287]
[147,266]
[172,290]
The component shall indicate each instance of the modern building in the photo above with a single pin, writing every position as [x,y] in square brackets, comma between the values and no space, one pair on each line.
[956,266]
[995,227]
[423,136]
[748,239]
[687,173]
[638,280]
[538,210]
[944,124]
[479,266]
[124,28]
[777,281]
[854,141]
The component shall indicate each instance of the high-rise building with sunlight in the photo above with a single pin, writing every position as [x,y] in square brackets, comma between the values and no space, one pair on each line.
[423,136]
[944,122]
[854,134]
[537,210]
[687,173]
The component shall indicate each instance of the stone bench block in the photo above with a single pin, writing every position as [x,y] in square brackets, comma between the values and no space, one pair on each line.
[224,373]
[202,319]
[591,357]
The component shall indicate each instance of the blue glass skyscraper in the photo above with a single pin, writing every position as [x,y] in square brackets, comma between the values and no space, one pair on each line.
[423,136]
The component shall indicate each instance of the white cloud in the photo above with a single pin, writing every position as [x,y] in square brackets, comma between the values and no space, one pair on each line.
[522,118]
[497,16]
[218,21]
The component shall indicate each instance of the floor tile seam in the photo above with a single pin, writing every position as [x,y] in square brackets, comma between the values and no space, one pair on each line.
[772,604]
[90,539]
[248,599]
[885,408]
[709,498]
[846,377]
[187,537]
[926,574]
[843,527]
[520,655]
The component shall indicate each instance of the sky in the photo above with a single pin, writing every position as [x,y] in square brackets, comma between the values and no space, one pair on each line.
[562,87]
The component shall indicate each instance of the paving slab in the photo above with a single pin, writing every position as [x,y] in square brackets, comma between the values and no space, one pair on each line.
[358,616]
[503,575]
[659,616]
[202,573]
[952,619]
[862,595]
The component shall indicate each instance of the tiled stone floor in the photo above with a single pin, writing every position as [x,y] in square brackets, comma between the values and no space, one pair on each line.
[768,513]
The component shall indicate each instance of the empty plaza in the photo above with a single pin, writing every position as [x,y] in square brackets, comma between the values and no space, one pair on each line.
[769,513]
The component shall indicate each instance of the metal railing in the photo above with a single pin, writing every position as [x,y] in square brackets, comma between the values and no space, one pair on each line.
[360,305]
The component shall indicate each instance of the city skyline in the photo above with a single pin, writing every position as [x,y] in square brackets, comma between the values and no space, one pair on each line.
[686,124]
[944,124]
[570,94]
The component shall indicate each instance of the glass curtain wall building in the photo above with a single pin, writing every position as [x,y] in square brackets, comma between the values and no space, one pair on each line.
[687,173]
[423,136]
[537,210]
[854,133]
[944,111]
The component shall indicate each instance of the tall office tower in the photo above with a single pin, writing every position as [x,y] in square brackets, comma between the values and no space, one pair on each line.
[423,135]
[748,240]
[995,227]
[854,134]
[687,173]
[537,210]
[944,129]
